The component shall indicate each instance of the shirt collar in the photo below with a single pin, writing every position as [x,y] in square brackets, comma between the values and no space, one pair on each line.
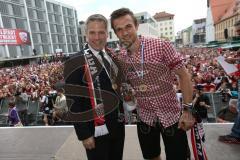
[95,52]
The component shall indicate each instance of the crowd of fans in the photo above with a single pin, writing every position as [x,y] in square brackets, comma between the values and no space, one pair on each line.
[34,81]
[30,83]
[208,76]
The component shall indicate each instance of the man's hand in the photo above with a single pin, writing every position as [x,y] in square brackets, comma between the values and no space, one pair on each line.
[186,121]
[89,143]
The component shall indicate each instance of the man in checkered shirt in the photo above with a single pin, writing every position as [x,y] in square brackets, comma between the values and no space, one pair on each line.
[151,65]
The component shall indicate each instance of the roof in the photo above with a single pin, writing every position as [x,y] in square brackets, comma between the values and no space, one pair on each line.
[221,8]
[232,10]
[162,15]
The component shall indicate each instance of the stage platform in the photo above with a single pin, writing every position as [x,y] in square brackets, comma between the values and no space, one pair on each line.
[60,143]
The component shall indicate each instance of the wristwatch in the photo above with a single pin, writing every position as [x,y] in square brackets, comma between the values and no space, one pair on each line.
[189,107]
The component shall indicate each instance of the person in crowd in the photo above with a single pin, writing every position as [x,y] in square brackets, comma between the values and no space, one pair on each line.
[228,114]
[13,117]
[234,136]
[21,100]
[45,107]
[60,105]
[101,135]
[201,102]
[150,66]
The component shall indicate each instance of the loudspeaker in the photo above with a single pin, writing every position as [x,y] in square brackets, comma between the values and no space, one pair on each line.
[226,33]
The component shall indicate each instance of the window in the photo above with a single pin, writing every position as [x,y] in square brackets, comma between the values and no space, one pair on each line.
[66,22]
[59,29]
[165,28]
[69,39]
[67,29]
[73,39]
[29,3]
[40,15]
[3,8]
[21,24]
[70,21]
[53,28]
[44,38]
[42,26]
[74,48]
[69,48]
[54,38]
[34,38]
[46,49]
[39,38]
[60,39]
[49,7]
[38,3]
[69,12]
[7,22]
[56,8]
[17,10]
[9,9]
[64,10]
[50,17]
[72,30]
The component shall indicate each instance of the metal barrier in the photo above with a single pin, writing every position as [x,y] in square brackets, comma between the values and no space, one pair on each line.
[4,112]
[216,105]
[33,112]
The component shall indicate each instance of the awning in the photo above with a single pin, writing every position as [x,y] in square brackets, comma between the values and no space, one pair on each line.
[229,45]
[212,46]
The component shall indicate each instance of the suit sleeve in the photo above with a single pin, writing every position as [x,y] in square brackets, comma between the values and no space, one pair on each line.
[80,104]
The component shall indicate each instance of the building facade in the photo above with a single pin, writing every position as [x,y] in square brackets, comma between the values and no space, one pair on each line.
[225,29]
[187,37]
[199,31]
[210,30]
[165,25]
[52,27]
[225,26]
[221,17]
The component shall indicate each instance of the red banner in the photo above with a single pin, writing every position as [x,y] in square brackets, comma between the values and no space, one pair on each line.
[14,37]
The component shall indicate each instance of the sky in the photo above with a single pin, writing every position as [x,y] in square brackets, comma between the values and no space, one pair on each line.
[185,11]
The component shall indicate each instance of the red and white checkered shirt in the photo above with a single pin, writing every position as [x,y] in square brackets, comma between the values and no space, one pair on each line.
[159,101]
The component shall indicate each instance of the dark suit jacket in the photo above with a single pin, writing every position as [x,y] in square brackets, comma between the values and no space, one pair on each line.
[82,103]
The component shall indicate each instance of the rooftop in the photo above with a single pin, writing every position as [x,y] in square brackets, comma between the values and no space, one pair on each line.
[163,15]
[220,8]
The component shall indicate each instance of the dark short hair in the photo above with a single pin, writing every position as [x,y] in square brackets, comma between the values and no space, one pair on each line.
[11,103]
[97,17]
[120,13]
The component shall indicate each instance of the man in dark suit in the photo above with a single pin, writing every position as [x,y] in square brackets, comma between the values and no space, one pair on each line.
[91,83]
